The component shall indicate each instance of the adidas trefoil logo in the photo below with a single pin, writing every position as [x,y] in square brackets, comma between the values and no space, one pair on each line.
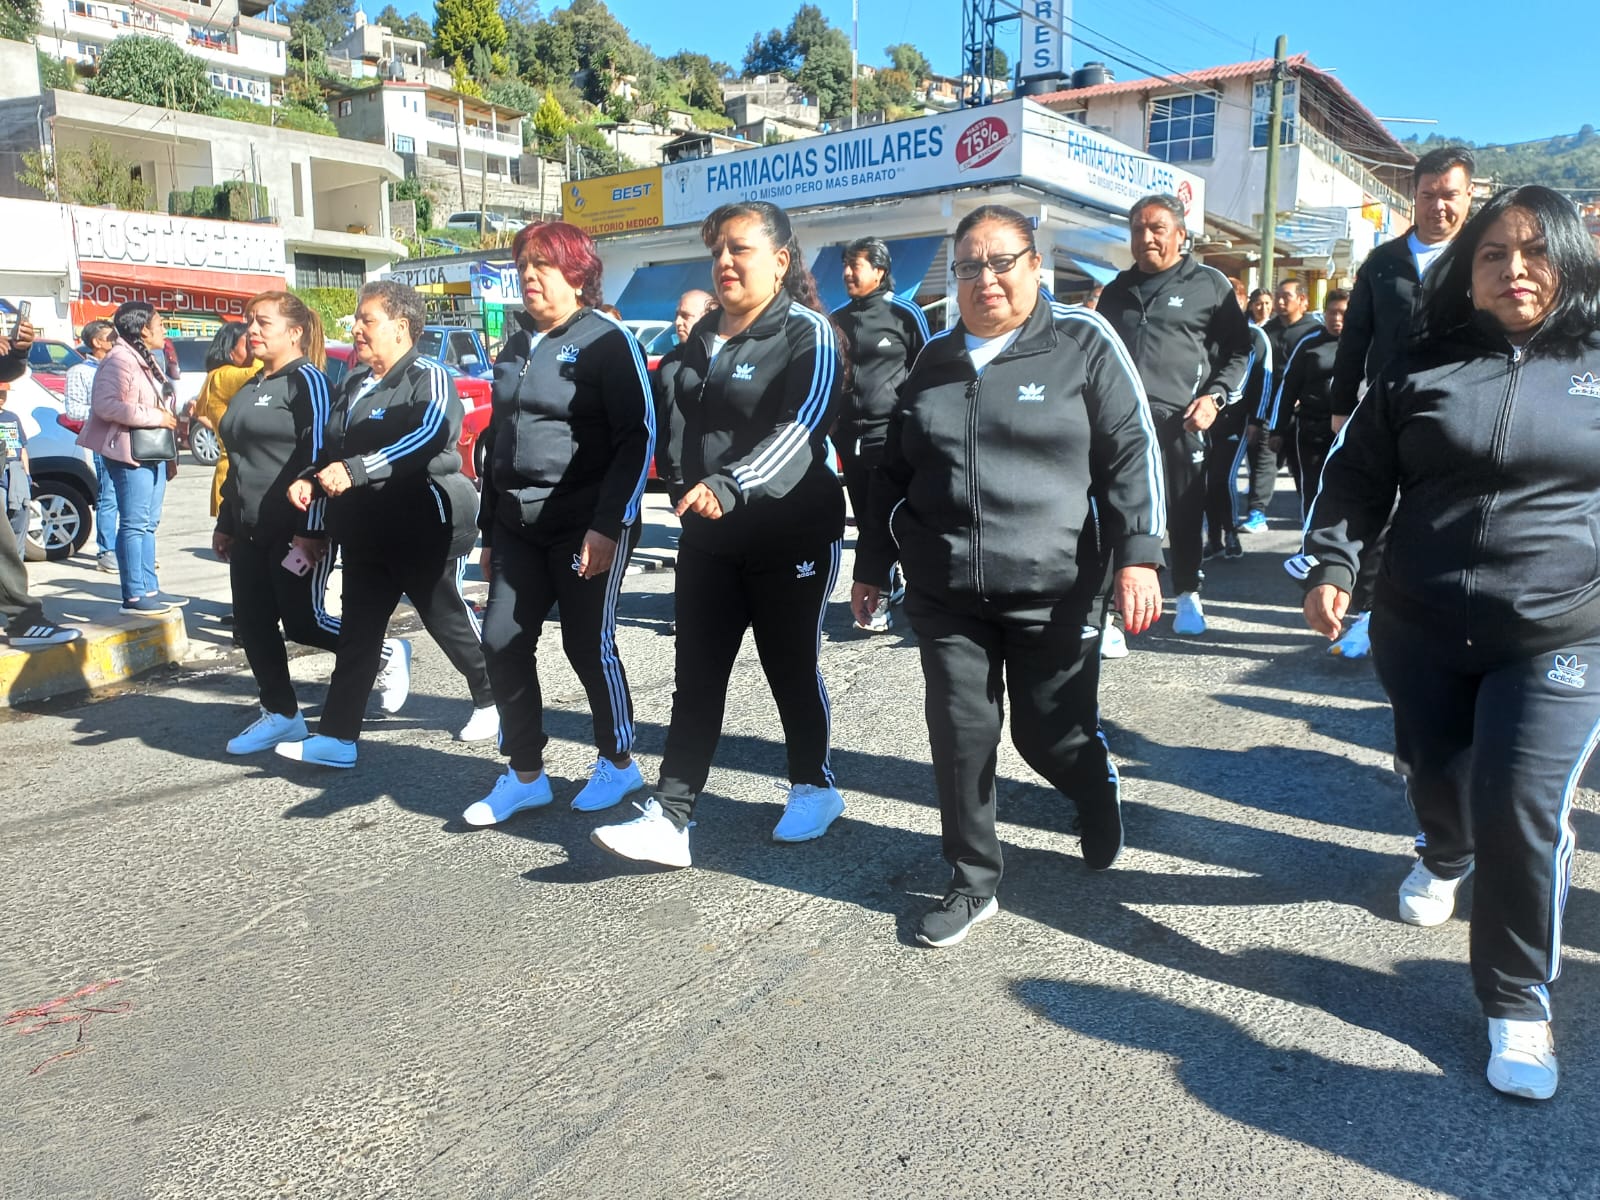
[744,372]
[887,341]
[567,354]
[1568,670]
[377,414]
[1585,385]
[807,570]
[1030,393]
[1174,301]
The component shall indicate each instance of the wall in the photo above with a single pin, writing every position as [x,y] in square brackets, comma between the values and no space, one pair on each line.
[39,265]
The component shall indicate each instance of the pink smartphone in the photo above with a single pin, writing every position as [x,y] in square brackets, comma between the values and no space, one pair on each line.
[296,562]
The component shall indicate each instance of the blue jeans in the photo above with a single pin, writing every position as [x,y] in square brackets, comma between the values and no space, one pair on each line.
[139,491]
[105,509]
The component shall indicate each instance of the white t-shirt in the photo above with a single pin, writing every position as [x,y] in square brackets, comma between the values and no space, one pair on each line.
[717,343]
[1423,254]
[983,351]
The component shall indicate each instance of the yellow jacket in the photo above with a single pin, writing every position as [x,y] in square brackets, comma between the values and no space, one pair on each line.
[215,393]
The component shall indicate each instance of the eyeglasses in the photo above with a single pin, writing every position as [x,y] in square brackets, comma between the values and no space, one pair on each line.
[971,268]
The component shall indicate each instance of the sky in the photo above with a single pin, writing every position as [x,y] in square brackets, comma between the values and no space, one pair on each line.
[1503,81]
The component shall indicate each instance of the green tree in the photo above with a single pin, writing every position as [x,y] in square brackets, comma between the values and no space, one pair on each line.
[774,54]
[459,25]
[550,124]
[54,74]
[330,18]
[413,189]
[997,63]
[149,70]
[700,78]
[93,176]
[521,19]
[405,24]
[18,19]
[905,57]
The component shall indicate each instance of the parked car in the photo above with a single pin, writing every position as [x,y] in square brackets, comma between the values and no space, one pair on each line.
[457,347]
[488,222]
[61,518]
[49,362]
[656,347]
[475,395]
[201,442]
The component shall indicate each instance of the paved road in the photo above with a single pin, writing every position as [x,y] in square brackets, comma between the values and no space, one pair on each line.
[328,986]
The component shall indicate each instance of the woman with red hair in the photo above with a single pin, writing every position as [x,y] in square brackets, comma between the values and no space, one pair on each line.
[565,461]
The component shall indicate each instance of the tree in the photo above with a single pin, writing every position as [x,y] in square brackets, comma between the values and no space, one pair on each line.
[774,54]
[330,18]
[148,70]
[905,57]
[54,74]
[459,25]
[96,176]
[550,124]
[405,24]
[521,19]
[413,189]
[700,79]
[997,64]
[18,19]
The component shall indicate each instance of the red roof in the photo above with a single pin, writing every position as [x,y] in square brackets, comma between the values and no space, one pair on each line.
[1298,64]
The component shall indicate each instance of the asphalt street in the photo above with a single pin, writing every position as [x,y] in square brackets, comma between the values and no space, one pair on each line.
[277,981]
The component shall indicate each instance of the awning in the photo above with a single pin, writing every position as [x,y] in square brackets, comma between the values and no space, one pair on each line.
[1098,271]
[909,259]
[652,293]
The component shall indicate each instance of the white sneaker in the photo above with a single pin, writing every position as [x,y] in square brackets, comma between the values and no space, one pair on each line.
[1427,900]
[1522,1058]
[1355,642]
[1113,643]
[880,621]
[509,795]
[394,681]
[807,813]
[1190,619]
[481,726]
[650,837]
[266,731]
[608,784]
[320,751]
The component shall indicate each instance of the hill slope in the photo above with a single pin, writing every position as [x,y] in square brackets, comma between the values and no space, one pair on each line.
[1570,162]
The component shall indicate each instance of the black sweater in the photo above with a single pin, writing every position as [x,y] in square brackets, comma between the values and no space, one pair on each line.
[398,441]
[755,428]
[1187,333]
[572,432]
[1305,387]
[883,334]
[274,430]
[987,482]
[1495,456]
[1377,325]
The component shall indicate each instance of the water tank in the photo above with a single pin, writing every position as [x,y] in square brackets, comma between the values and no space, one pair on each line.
[1092,74]
[1042,87]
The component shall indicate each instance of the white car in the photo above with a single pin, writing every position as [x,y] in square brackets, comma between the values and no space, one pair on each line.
[489,222]
[64,487]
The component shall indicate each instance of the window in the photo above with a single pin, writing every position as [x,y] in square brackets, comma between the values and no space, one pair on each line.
[328,271]
[344,108]
[404,144]
[1183,128]
[1261,115]
[299,187]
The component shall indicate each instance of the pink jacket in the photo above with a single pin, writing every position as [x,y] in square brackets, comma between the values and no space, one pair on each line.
[125,395]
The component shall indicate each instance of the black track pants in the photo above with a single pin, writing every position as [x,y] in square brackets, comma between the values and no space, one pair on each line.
[265,598]
[782,598]
[1183,454]
[529,579]
[1225,446]
[1263,475]
[372,591]
[857,469]
[1312,446]
[1492,752]
[974,656]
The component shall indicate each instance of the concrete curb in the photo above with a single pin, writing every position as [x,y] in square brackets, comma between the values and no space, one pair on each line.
[103,656]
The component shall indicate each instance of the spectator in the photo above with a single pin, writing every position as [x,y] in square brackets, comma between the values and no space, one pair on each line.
[229,366]
[14,474]
[98,338]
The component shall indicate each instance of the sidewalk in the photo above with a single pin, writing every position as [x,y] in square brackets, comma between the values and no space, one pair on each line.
[115,649]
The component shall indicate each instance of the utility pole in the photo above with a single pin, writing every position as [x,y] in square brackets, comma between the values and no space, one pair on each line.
[1269,207]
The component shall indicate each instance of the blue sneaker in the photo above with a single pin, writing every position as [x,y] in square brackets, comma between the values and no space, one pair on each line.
[320,750]
[1256,522]
[509,795]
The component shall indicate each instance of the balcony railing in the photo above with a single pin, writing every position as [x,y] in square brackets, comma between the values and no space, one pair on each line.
[1342,160]
[113,14]
[508,137]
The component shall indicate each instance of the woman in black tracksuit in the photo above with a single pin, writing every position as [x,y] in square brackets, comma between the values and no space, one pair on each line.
[1487,619]
[1021,462]
[763,525]
[566,455]
[883,335]
[403,514]
[273,430]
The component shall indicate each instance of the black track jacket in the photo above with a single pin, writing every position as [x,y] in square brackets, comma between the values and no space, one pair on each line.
[1496,458]
[274,430]
[755,428]
[1191,339]
[884,334]
[1377,325]
[398,441]
[572,431]
[986,482]
[1304,388]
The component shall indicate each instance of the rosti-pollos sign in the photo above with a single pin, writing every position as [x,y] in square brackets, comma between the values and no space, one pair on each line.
[179,243]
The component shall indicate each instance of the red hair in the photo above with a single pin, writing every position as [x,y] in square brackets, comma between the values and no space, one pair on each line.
[566,247]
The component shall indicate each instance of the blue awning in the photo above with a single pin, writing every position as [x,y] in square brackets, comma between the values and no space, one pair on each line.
[1098,271]
[652,293]
[910,259]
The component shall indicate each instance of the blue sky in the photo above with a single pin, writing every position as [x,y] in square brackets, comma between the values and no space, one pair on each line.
[1499,78]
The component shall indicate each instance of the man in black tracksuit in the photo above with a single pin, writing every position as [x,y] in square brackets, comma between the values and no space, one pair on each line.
[406,519]
[1292,324]
[1300,408]
[692,305]
[1191,343]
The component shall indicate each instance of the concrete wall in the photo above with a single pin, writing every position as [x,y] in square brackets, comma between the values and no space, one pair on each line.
[19,71]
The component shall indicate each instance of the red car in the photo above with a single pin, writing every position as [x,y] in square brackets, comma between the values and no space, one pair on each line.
[475,398]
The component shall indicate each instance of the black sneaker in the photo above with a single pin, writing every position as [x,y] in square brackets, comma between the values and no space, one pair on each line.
[1230,545]
[1100,834]
[1212,550]
[38,634]
[956,915]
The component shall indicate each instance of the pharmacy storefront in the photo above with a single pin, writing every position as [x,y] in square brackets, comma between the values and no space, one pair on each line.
[910,183]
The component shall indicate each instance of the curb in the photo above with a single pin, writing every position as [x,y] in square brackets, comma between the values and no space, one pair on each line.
[105,655]
[642,562]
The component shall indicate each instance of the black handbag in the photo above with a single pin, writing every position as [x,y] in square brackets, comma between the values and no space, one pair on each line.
[153,445]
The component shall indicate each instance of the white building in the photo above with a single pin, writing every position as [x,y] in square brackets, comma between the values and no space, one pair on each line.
[244,56]
[1343,178]
[376,52]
